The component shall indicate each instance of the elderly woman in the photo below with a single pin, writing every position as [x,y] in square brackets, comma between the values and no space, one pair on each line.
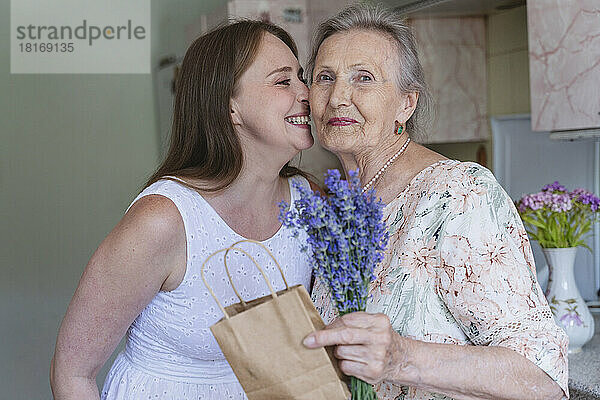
[455,310]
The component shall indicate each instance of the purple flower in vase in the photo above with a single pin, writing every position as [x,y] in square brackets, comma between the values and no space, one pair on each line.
[571,318]
[554,187]
[587,198]
[554,201]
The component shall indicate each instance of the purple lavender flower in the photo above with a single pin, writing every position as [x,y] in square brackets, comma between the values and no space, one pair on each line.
[346,239]
[346,236]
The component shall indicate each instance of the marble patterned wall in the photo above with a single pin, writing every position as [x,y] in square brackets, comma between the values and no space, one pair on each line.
[452,52]
[564,60]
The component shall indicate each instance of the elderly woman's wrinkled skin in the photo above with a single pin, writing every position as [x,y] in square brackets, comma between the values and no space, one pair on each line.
[362,88]
[354,79]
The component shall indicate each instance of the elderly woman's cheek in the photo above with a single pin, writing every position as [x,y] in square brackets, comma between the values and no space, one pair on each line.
[317,98]
[376,105]
[388,99]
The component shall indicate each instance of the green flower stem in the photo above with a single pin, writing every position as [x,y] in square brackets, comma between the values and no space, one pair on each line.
[559,229]
[361,390]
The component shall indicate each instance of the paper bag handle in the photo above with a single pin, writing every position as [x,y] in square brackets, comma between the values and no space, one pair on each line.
[232,247]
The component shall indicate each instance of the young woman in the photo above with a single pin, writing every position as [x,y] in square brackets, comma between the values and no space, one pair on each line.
[241,114]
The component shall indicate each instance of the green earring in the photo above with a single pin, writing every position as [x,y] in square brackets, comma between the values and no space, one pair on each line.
[400,130]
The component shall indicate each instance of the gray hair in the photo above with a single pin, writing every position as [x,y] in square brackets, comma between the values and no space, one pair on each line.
[409,77]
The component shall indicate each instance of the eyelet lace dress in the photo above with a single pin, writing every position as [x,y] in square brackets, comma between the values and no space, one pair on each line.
[170,353]
[459,269]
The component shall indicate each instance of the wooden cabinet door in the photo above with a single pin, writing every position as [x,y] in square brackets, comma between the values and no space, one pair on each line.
[564,64]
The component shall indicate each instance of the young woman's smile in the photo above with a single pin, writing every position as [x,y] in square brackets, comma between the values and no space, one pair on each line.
[270,106]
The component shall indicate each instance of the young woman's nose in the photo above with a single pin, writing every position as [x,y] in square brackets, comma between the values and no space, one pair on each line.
[302,96]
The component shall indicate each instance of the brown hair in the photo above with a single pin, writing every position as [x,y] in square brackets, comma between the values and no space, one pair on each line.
[203,142]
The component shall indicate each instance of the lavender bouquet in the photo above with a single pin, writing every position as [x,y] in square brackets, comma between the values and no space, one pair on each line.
[346,240]
[556,217]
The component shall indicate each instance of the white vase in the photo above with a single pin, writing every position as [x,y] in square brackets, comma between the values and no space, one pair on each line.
[568,307]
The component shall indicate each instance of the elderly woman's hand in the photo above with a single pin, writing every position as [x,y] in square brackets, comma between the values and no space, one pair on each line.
[366,345]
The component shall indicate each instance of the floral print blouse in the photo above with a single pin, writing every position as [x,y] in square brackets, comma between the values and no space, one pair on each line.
[459,269]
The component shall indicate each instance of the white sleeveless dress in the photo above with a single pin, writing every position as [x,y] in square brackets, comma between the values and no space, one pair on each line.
[170,352]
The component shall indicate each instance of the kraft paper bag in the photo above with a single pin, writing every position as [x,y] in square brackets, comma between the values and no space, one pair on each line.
[262,341]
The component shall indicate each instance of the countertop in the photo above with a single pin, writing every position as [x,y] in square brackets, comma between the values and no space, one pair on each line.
[584,369]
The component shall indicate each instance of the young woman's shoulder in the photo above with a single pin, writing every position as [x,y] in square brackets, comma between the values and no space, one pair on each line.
[149,242]
[154,216]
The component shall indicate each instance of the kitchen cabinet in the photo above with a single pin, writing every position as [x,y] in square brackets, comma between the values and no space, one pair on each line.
[564,64]
[453,54]
[291,15]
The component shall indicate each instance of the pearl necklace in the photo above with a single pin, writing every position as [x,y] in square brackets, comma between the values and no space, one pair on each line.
[385,166]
